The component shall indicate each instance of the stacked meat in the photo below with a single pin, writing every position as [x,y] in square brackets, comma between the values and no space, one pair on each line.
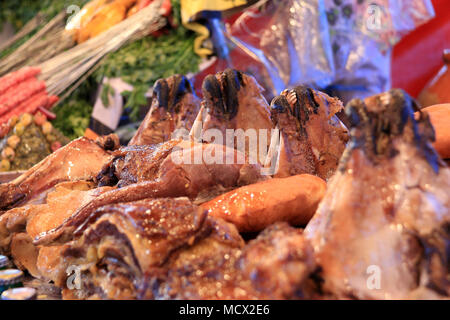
[158,219]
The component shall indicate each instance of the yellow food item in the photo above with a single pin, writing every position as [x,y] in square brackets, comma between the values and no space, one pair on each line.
[47,128]
[80,21]
[26,119]
[19,129]
[134,9]
[13,141]
[127,3]
[5,165]
[8,153]
[105,16]
[12,121]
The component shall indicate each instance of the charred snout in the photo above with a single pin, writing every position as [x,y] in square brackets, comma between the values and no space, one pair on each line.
[221,92]
[381,118]
[298,102]
[170,91]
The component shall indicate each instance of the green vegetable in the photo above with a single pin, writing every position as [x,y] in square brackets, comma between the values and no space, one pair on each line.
[107,92]
[140,64]
[143,62]
[18,13]
[73,118]
[73,115]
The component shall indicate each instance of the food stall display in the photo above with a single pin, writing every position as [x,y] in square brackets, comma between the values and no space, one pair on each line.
[162,154]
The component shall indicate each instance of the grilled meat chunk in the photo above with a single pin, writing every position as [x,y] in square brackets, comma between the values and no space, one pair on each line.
[124,241]
[276,265]
[169,248]
[19,226]
[174,106]
[170,174]
[382,229]
[312,138]
[81,159]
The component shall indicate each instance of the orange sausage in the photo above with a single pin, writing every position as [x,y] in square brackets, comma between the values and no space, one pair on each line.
[440,118]
[254,207]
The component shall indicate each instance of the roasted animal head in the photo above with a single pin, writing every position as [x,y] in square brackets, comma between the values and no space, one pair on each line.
[312,138]
[174,106]
[378,121]
[382,229]
[233,100]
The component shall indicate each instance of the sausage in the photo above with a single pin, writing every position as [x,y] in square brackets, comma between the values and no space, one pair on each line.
[440,119]
[252,208]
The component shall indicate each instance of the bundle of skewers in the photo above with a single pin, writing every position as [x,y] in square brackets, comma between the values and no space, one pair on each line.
[49,41]
[69,69]
[30,89]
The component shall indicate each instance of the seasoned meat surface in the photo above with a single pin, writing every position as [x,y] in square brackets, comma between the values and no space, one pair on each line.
[81,159]
[168,176]
[312,138]
[174,106]
[382,229]
[169,248]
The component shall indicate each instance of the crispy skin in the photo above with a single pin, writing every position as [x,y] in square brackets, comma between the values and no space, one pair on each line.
[254,207]
[81,159]
[124,240]
[24,253]
[387,207]
[174,177]
[233,100]
[276,265]
[19,226]
[312,138]
[174,106]
[134,164]
[279,263]
[169,248]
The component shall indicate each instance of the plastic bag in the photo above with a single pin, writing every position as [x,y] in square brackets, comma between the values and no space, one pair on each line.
[362,35]
[290,42]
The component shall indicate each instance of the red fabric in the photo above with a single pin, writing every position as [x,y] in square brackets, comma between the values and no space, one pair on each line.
[418,56]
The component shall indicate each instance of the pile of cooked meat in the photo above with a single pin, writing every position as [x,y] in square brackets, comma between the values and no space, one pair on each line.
[319,210]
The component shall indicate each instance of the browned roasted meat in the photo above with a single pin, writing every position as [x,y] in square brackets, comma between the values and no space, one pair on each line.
[81,159]
[168,248]
[382,230]
[174,106]
[19,226]
[124,241]
[163,171]
[276,265]
[312,138]
[233,100]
